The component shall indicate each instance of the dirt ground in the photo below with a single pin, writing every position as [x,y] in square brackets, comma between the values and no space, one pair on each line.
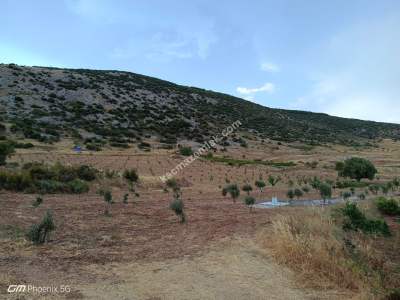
[141,251]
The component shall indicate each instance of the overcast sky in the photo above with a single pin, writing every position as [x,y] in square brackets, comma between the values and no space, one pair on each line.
[338,57]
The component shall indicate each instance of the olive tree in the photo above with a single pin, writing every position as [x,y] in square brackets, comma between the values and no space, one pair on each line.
[249,201]
[232,190]
[357,168]
[325,191]
[260,184]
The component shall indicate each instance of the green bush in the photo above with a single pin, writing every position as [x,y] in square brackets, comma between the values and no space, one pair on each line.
[131,175]
[6,150]
[39,233]
[325,190]
[260,184]
[93,147]
[232,190]
[247,188]
[38,201]
[388,206]
[249,201]
[77,186]
[49,186]
[358,168]
[356,220]
[86,173]
[178,207]
[186,151]
[34,177]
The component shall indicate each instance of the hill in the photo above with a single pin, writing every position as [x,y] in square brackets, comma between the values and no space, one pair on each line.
[121,107]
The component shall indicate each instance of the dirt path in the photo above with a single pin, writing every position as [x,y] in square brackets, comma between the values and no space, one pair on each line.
[239,270]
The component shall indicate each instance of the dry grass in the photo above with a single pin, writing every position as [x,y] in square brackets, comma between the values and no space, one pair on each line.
[313,244]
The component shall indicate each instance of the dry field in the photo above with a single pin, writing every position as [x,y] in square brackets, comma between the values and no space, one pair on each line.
[141,251]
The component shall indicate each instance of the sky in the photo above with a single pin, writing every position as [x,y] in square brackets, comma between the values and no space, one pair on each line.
[340,57]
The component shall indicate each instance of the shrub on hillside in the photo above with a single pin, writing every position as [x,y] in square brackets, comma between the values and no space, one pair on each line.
[388,206]
[186,151]
[131,175]
[358,168]
[6,150]
[44,179]
[355,219]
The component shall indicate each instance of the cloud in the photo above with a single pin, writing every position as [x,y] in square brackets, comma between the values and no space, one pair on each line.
[269,67]
[361,73]
[267,87]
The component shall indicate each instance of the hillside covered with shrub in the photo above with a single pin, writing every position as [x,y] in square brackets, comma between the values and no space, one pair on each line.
[117,107]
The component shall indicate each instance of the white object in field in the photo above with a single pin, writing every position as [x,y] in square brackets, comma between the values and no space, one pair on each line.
[273,203]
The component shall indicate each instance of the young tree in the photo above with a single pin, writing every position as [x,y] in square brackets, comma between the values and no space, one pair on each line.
[358,168]
[298,193]
[374,188]
[6,150]
[107,196]
[346,195]
[290,194]
[177,206]
[325,191]
[132,177]
[232,190]
[249,201]
[260,184]
[273,180]
[125,199]
[173,184]
[247,188]
[177,203]
[37,202]
[39,233]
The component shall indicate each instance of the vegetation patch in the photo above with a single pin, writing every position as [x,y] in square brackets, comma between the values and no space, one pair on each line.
[314,243]
[44,179]
[240,162]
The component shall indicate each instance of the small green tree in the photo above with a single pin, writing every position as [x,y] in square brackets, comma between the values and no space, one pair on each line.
[38,201]
[247,188]
[132,177]
[232,190]
[260,185]
[39,233]
[374,188]
[358,168]
[125,199]
[107,196]
[325,191]
[6,150]
[249,201]
[290,194]
[178,207]
[298,193]
[388,206]
[346,195]
[186,151]
[273,180]
[173,184]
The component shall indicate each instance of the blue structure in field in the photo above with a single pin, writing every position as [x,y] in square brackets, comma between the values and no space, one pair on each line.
[77,149]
